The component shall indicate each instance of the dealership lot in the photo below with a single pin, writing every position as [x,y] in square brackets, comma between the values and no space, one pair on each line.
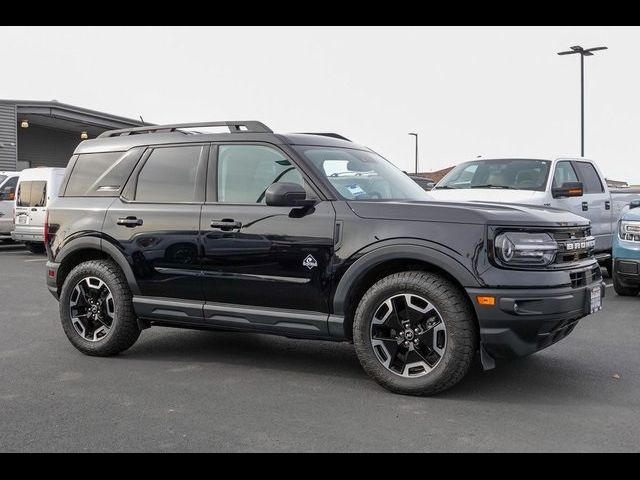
[179,390]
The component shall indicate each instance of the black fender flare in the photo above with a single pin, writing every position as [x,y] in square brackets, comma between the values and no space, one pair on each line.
[404,251]
[97,243]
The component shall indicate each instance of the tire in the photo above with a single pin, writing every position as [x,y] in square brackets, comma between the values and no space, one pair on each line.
[622,289]
[35,247]
[456,350]
[117,307]
[608,264]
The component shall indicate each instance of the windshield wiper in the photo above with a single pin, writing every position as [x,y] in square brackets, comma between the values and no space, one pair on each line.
[446,187]
[488,185]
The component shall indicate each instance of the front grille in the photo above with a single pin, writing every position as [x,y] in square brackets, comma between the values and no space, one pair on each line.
[574,244]
[585,277]
[630,237]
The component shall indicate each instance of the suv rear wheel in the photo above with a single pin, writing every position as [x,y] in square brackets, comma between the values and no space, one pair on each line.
[414,333]
[96,309]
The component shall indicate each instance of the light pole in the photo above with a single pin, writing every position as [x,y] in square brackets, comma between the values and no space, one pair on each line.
[583,53]
[416,135]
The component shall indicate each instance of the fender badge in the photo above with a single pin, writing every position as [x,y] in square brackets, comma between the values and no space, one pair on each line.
[309,262]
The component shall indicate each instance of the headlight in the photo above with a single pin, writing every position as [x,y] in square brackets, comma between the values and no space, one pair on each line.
[525,249]
[630,230]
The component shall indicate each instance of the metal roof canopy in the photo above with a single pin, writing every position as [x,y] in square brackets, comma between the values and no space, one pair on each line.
[62,116]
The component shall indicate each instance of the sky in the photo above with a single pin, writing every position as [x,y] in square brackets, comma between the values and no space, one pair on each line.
[467,91]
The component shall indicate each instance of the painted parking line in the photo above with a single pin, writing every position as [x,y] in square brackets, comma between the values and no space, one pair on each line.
[36,260]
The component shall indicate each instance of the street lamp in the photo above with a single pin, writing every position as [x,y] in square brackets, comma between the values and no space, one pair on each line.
[416,135]
[583,53]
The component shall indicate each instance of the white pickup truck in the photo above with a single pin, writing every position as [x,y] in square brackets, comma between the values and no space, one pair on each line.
[574,184]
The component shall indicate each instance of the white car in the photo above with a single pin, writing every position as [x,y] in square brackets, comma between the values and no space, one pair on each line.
[37,187]
[8,184]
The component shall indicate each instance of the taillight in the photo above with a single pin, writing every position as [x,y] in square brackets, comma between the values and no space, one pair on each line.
[46,228]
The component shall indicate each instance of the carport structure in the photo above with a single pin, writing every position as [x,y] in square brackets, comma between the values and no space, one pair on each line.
[45,133]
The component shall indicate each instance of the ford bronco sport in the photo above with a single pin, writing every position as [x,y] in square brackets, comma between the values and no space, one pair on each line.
[307,236]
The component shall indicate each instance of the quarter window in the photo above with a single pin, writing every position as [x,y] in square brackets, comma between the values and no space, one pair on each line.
[246,171]
[169,175]
[88,169]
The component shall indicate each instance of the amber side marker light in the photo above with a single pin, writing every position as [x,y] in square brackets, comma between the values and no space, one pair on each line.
[576,191]
[486,301]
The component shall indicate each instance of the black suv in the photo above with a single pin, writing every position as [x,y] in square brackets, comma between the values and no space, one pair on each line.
[307,236]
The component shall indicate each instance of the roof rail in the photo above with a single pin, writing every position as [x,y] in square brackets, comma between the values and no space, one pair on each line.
[250,126]
[327,134]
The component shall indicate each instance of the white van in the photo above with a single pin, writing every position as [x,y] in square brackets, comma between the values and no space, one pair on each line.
[8,184]
[37,187]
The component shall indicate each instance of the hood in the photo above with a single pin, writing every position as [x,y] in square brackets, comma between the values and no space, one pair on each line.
[631,214]
[479,213]
[498,195]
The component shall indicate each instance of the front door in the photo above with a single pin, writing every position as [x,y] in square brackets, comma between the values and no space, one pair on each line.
[156,224]
[259,256]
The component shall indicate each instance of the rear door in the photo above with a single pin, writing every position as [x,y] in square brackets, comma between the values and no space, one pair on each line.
[263,256]
[156,222]
[31,202]
[597,202]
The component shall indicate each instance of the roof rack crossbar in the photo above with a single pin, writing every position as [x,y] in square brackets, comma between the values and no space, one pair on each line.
[250,126]
[327,134]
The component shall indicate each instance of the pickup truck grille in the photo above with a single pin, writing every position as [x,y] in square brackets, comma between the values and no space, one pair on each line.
[574,244]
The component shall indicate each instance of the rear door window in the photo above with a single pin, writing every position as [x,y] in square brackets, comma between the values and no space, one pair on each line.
[32,194]
[169,175]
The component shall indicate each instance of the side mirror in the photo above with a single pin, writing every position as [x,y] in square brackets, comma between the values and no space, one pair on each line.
[568,189]
[286,194]
[634,204]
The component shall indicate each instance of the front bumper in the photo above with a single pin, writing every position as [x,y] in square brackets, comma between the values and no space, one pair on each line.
[627,270]
[523,321]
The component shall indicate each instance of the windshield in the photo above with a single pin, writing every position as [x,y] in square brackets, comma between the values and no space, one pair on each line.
[513,174]
[362,175]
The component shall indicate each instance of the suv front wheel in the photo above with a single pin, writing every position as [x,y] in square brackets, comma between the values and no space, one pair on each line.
[96,309]
[414,333]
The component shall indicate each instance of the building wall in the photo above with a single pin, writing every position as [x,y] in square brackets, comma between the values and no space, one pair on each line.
[8,138]
[46,147]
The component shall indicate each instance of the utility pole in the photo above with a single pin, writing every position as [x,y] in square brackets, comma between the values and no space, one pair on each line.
[416,135]
[583,53]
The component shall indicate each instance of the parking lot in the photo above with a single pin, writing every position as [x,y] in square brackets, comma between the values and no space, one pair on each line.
[179,390]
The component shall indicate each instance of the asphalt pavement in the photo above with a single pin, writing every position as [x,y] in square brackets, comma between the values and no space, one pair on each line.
[180,390]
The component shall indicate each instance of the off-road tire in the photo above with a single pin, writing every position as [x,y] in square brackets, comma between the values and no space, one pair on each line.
[456,313]
[124,330]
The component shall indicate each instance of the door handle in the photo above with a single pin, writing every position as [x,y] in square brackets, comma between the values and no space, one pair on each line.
[607,205]
[130,222]
[226,224]
[585,206]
